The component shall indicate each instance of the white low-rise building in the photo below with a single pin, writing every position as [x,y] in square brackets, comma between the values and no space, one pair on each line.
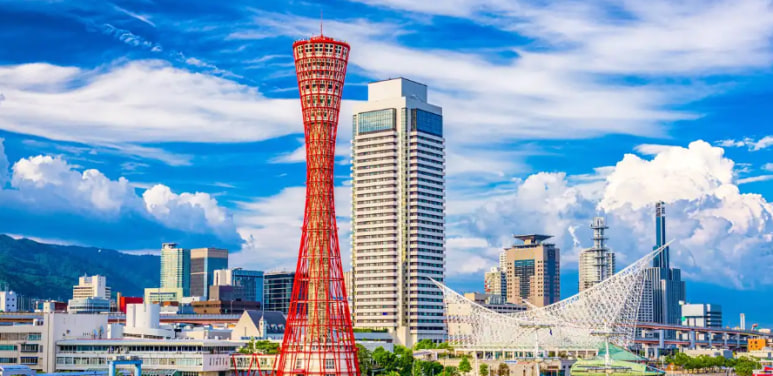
[144,321]
[34,344]
[8,301]
[179,357]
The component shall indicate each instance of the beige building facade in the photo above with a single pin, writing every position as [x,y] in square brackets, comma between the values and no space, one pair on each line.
[533,271]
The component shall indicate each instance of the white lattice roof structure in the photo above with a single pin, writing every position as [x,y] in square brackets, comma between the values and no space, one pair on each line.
[577,322]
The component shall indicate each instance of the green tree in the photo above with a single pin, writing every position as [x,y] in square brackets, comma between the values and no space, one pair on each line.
[745,366]
[404,360]
[464,365]
[365,360]
[443,346]
[424,344]
[260,347]
[451,371]
[385,359]
[503,370]
[427,368]
[483,370]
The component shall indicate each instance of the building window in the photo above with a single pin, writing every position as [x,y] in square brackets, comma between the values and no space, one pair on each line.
[374,121]
[330,364]
[427,122]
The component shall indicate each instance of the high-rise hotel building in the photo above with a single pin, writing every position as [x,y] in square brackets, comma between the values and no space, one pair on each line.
[398,211]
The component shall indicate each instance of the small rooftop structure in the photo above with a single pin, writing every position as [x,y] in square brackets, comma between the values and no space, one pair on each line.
[530,239]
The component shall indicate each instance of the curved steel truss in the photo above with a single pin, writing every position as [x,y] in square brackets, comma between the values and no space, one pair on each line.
[583,321]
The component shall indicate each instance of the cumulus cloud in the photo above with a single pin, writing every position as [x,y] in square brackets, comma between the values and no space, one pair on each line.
[89,207]
[719,231]
[271,228]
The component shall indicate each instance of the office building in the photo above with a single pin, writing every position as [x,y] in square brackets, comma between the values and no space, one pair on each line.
[495,283]
[664,285]
[88,305]
[91,287]
[597,263]
[90,295]
[249,282]
[702,315]
[8,300]
[277,290]
[533,271]
[175,268]
[163,295]
[204,262]
[398,212]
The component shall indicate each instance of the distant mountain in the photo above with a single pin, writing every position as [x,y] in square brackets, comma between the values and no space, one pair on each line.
[49,271]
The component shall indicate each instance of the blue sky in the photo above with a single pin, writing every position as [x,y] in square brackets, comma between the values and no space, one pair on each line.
[130,123]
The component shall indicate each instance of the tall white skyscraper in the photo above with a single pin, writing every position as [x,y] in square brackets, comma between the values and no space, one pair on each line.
[398,211]
[596,263]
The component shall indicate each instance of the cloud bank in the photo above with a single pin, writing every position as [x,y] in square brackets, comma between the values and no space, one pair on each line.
[722,235]
[49,198]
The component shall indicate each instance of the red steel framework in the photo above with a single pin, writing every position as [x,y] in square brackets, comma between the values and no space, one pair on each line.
[318,338]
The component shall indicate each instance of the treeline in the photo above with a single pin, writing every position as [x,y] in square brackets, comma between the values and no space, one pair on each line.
[402,363]
[742,366]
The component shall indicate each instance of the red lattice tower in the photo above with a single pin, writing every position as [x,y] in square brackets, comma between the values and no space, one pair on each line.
[318,339]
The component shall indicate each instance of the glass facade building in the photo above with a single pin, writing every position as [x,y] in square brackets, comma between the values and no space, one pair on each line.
[277,291]
[175,268]
[204,262]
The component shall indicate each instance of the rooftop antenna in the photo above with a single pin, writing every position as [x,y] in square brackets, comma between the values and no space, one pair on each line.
[320,23]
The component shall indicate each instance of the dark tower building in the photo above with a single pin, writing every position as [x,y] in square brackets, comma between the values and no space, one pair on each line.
[661,260]
[664,290]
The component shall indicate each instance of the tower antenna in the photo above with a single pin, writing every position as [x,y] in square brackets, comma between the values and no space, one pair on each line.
[320,22]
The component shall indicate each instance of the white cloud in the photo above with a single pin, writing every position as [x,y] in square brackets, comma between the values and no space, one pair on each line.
[565,85]
[754,179]
[3,164]
[722,235]
[53,179]
[48,187]
[271,228]
[186,210]
[651,149]
[750,143]
[296,156]
[141,101]
[674,174]
[768,166]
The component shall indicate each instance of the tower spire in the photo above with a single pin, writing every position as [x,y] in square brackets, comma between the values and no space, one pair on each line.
[320,22]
